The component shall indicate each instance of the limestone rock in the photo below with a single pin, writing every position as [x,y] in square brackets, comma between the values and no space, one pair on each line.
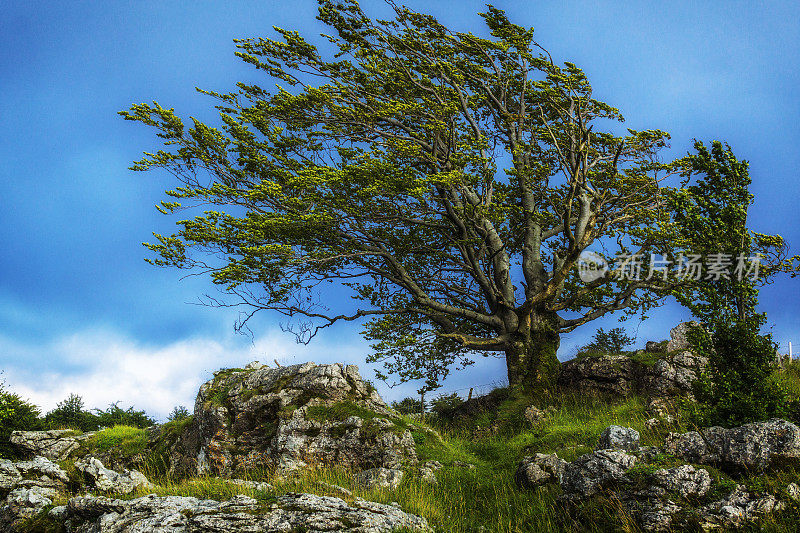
[737,508]
[380,478]
[678,340]
[54,444]
[253,485]
[752,447]
[618,438]
[534,415]
[612,374]
[282,418]
[586,475]
[22,503]
[539,469]
[108,480]
[428,471]
[291,512]
[38,472]
[793,491]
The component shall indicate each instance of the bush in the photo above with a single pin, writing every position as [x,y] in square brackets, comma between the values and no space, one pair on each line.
[409,406]
[179,413]
[116,416]
[69,414]
[740,385]
[612,341]
[16,414]
[445,403]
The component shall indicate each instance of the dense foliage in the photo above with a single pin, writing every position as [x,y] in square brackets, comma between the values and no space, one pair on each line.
[179,412]
[740,385]
[409,406]
[613,341]
[70,413]
[15,414]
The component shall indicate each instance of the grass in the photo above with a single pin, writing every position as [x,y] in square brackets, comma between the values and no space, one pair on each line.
[124,440]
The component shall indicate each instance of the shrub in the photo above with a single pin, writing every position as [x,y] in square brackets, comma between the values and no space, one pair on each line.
[612,341]
[409,406]
[178,413]
[116,416]
[70,414]
[16,414]
[739,385]
[445,403]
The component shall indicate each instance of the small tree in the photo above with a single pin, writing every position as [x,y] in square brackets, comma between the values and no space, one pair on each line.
[179,412]
[117,416]
[444,403]
[16,414]
[612,341]
[69,413]
[409,406]
[739,385]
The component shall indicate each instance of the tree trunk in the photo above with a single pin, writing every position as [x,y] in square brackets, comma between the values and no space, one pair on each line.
[531,357]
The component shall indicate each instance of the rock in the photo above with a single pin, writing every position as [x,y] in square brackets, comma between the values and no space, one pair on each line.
[612,374]
[108,480]
[752,447]
[652,423]
[534,415]
[618,438]
[737,508]
[54,444]
[335,488]
[587,474]
[24,502]
[461,464]
[38,472]
[428,471]
[380,478]
[282,418]
[655,347]
[793,491]
[674,374]
[290,512]
[678,340]
[253,485]
[539,469]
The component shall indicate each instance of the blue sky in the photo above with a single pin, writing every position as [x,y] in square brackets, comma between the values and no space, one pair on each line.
[80,311]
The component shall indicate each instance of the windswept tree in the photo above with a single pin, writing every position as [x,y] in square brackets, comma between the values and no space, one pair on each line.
[448,181]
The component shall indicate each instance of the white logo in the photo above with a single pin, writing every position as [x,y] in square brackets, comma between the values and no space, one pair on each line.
[591,266]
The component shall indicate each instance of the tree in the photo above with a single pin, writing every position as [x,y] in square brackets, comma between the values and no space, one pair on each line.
[711,220]
[450,182]
[69,413]
[178,413]
[409,406]
[16,414]
[612,341]
[117,416]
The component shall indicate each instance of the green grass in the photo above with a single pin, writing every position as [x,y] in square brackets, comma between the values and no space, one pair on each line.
[124,440]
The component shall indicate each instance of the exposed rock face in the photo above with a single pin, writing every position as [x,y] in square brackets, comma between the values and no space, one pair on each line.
[284,418]
[180,514]
[618,438]
[108,480]
[539,469]
[671,375]
[613,374]
[428,471]
[752,447]
[55,444]
[678,340]
[26,487]
[588,474]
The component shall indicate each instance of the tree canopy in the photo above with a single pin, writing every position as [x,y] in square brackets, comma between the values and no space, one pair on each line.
[449,181]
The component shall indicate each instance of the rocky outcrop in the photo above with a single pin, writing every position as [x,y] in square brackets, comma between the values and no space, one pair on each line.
[27,487]
[539,469]
[108,480]
[671,373]
[752,447]
[180,514]
[678,336]
[286,418]
[54,444]
[380,478]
